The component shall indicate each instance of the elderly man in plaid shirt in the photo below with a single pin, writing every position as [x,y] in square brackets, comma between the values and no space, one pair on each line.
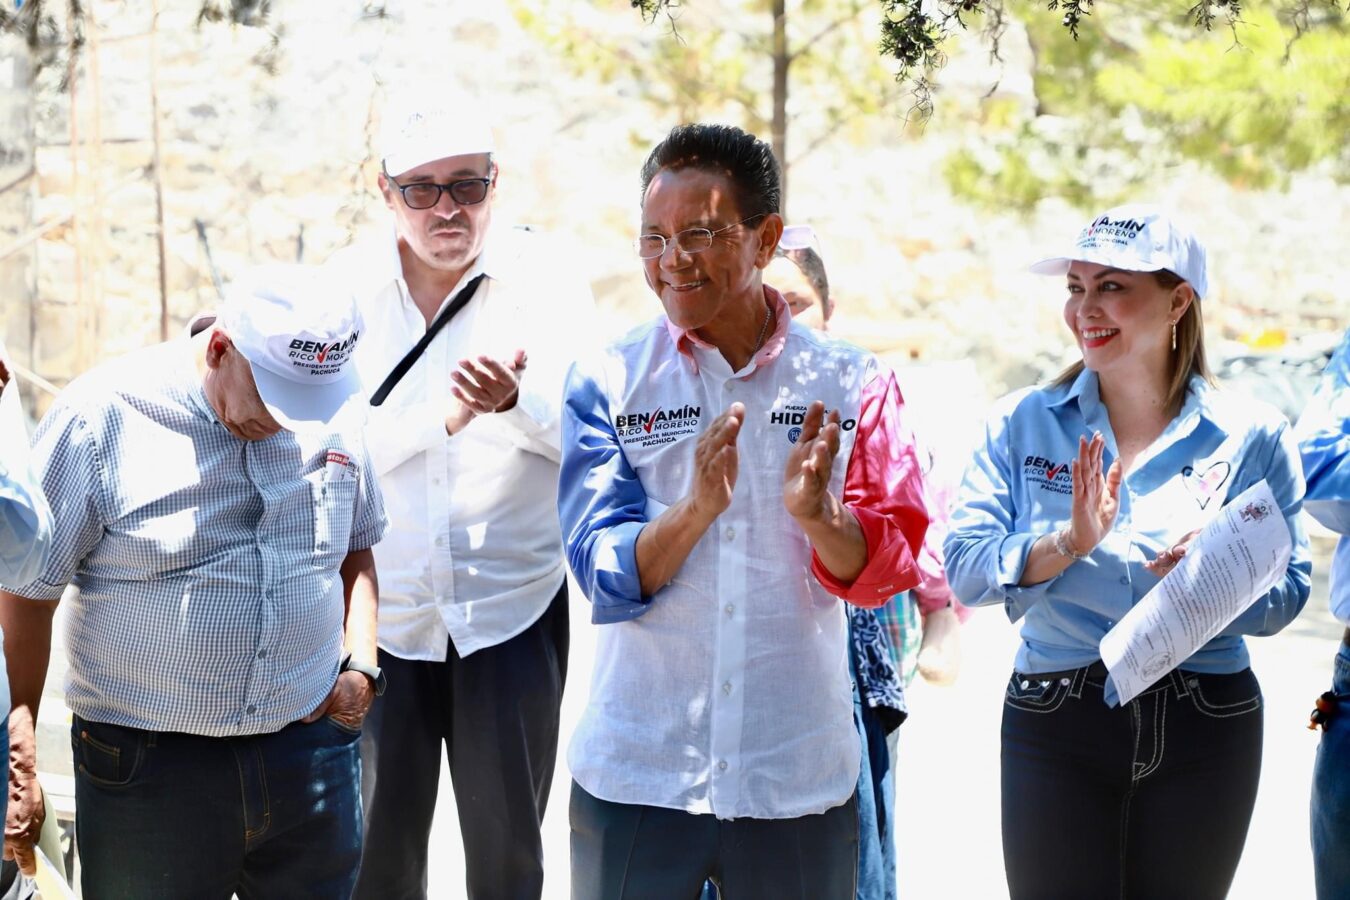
[214,504]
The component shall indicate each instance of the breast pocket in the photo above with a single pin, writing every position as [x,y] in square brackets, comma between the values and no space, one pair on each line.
[334,509]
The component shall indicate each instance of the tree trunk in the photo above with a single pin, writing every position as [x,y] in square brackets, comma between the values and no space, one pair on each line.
[781,61]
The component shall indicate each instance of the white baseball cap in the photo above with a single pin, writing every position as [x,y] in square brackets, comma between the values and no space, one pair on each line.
[298,330]
[1136,237]
[423,127]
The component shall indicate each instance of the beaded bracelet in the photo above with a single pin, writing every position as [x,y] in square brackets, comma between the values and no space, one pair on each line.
[1063,549]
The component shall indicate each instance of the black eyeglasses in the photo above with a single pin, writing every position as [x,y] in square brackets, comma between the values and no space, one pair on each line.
[425,195]
[691,240]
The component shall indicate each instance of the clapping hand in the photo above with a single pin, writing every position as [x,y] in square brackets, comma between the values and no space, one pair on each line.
[1168,559]
[806,477]
[1096,496]
[483,386]
[716,464]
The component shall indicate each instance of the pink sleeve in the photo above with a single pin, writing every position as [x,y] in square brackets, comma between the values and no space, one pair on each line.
[883,487]
[933,592]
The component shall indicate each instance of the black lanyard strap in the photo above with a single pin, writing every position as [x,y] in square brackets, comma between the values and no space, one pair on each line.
[460,301]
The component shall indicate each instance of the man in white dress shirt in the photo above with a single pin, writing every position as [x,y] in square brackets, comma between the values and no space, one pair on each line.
[473,626]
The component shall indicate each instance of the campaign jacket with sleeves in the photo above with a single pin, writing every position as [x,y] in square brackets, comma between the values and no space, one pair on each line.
[1324,440]
[1018,488]
[473,552]
[727,691]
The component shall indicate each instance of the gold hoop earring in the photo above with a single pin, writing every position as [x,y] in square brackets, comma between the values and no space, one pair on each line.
[1174,336]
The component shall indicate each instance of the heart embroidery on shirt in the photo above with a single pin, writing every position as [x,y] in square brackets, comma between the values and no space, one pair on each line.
[1205,485]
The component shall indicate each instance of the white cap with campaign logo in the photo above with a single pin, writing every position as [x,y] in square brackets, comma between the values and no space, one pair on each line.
[1136,237]
[298,330]
[424,126]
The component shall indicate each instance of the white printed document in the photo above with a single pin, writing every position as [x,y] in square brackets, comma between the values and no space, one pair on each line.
[1238,557]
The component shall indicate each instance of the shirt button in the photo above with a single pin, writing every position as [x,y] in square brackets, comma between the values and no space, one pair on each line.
[722,765]
[726,688]
[1124,579]
[251,709]
[262,654]
[269,593]
[731,533]
[731,608]
[323,492]
[323,545]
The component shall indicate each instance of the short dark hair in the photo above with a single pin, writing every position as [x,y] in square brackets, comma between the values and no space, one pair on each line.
[744,159]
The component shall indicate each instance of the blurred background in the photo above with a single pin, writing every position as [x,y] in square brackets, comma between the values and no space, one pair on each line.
[150,149]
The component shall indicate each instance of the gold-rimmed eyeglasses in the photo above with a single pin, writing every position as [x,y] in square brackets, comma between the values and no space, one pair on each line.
[691,240]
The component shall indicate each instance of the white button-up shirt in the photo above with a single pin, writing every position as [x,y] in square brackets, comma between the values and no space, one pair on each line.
[727,691]
[473,552]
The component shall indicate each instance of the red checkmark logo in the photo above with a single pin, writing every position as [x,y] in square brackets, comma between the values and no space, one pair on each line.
[1052,471]
[652,421]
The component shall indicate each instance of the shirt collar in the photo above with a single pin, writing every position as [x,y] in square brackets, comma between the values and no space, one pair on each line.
[1196,406]
[386,264]
[686,340]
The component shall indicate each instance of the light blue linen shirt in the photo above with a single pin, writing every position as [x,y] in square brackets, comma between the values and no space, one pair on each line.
[25,519]
[1324,440]
[1018,488]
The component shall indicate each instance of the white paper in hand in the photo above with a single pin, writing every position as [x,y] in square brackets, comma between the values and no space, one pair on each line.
[1236,559]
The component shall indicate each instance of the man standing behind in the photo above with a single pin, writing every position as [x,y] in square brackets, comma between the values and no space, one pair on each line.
[214,505]
[473,606]
[1324,441]
[714,546]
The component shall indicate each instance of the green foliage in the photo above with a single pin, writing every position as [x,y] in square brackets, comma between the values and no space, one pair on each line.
[1144,90]
[715,60]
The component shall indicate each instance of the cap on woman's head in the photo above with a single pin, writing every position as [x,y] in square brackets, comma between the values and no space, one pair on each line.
[1136,237]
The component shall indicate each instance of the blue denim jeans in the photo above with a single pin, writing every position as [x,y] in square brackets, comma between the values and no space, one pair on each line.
[169,815]
[1331,792]
[1149,800]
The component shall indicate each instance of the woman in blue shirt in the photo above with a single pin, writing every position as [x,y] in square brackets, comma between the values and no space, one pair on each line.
[1084,494]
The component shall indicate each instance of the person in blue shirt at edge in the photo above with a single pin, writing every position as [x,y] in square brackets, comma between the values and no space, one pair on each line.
[25,537]
[1084,494]
[1324,440]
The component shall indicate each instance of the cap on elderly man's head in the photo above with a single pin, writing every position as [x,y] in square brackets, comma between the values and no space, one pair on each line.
[298,330]
[422,127]
[1136,237]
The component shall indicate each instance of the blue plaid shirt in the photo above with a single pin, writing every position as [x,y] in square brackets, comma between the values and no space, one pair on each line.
[210,600]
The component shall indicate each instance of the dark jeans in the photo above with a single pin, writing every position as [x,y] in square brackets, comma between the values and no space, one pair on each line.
[165,815]
[622,851]
[496,711]
[1149,800]
[1331,792]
